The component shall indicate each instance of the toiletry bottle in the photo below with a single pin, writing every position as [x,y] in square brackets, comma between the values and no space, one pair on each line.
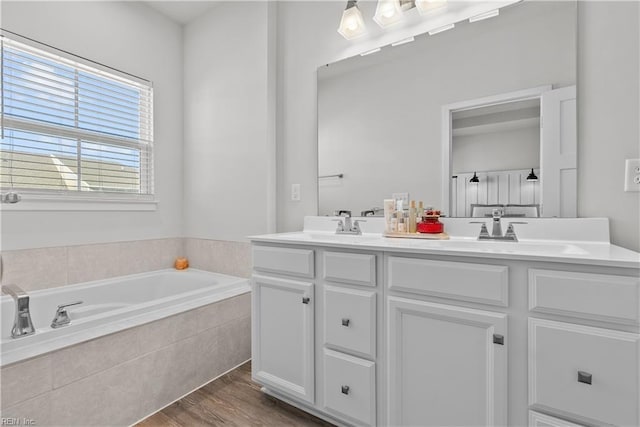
[412,217]
[394,222]
[420,210]
[401,225]
[389,208]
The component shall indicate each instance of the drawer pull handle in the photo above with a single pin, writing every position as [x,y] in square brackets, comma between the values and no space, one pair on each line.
[305,300]
[584,377]
[345,389]
[498,339]
[345,322]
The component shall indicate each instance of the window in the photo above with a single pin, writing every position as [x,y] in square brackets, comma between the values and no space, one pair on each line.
[71,128]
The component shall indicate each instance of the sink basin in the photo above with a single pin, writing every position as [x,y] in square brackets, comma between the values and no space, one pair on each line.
[534,248]
[331,237]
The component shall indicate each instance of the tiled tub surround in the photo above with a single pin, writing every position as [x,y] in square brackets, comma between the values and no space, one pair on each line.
[43,268]
[124,377]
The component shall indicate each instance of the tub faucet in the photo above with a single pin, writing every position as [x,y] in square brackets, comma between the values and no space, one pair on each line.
[22,325]
[62,317]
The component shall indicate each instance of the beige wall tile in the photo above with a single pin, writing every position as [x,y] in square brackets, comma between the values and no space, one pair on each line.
[24,380]
[148,255]
[79,361]
[37,409]
[234,342]
[34,269]
[111,397]
[94,262]
[227,257]
[214,315]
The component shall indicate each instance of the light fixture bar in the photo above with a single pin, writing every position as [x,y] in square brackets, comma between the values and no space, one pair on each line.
[403,41]
[369,52]
[487,15]
[441,29]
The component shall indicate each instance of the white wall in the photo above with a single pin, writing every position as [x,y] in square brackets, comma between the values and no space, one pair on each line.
[608,96]
[131,37]
[229,126]
[609,114]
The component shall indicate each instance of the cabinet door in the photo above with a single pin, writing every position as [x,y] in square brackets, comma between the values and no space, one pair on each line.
[446,365]
[282,335]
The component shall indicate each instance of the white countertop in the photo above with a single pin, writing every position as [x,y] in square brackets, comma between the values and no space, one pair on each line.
[576,251]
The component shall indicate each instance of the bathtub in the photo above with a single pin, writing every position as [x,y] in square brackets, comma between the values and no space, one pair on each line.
[110,306]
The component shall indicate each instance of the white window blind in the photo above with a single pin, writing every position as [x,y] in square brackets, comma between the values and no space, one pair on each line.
[70,127]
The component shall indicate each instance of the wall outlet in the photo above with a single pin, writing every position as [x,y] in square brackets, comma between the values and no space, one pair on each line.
[632,175]
[295,192]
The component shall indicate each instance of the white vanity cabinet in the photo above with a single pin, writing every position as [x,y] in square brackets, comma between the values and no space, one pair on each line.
[283,320]
[393,336]
[447,364]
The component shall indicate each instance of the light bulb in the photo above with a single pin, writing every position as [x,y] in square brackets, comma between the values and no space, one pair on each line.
[388,13]
[426,6]
[352,23]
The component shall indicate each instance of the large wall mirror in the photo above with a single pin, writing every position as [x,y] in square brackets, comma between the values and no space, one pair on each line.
[469,120]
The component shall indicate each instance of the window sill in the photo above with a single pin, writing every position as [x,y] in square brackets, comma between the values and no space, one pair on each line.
[37,202]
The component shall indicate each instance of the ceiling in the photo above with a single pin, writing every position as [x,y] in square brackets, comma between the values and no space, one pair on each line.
[182,11]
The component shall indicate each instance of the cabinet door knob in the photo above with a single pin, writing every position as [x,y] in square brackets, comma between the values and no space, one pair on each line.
[584,377]
[345,389]
[345,322]
[498,339]
[305,300]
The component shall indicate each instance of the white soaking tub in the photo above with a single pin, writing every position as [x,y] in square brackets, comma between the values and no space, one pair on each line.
[109,306]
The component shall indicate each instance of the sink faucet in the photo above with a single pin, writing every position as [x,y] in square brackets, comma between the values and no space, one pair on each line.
[496,234]
[346,227]
[22,325]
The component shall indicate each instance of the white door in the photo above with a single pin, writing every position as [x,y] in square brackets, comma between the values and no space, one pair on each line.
[444,366]
[558,153]
[282,335]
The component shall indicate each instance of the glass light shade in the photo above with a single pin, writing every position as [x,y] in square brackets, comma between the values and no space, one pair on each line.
[352,24]
[388,13]
[426,6]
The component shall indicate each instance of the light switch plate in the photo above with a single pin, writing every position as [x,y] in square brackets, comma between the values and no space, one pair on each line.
[295,192]
[632,175]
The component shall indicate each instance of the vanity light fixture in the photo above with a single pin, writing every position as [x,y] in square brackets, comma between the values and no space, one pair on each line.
[403,41]
[352,23]
[426,6]
[474,179]
[441,29]
[388,13]
[532,176]
[485,15]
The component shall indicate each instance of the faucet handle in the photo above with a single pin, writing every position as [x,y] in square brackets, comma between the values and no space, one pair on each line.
[356,225]
[61,317]
[344,213]
[64,306]
[483,229]
[340,226]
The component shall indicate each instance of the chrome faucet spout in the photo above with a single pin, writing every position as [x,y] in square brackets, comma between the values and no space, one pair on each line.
[497,226]
[22,325]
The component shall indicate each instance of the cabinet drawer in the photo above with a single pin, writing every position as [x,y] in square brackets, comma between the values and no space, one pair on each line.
[297,262]
[537,419]
[358,269]
[487,284]
[585,295]
[349,387]
[350,320]
[585,371]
